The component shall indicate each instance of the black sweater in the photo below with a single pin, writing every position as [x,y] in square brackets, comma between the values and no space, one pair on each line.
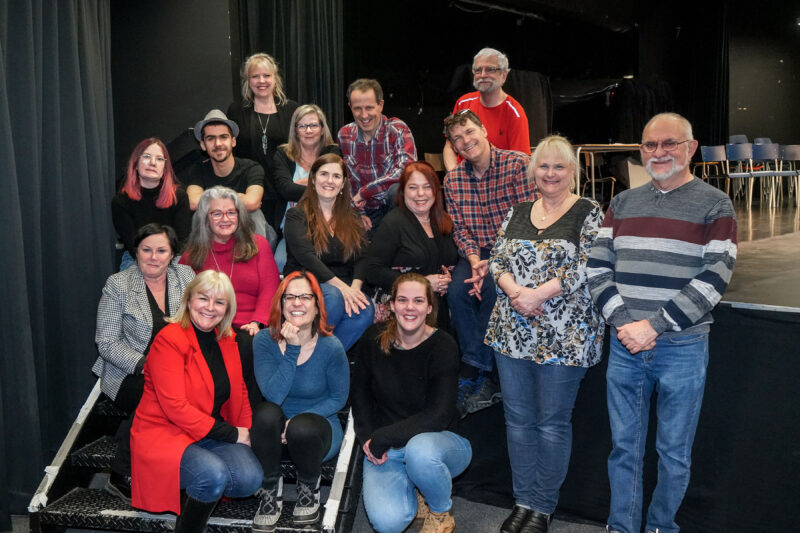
[403,393]
[130,215]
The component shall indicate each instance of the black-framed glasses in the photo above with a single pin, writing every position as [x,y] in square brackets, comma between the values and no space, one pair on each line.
[488,70]
[305,298]
[309,126]
[668,145]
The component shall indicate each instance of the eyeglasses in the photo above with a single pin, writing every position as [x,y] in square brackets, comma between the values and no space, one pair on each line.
[148,158]
[668,145]
[488,70]
[217,215]
[305,298]
[309,126]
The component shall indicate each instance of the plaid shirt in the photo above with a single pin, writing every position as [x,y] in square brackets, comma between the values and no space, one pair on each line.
[479,205]
[376,165]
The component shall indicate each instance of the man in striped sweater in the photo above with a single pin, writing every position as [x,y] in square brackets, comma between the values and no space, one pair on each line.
[660,264]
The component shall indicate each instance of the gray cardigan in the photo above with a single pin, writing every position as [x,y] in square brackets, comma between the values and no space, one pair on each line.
[125,323]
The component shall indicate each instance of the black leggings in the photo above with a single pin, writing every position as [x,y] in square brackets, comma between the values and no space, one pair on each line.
[244,342]
[308,440]
[128,396]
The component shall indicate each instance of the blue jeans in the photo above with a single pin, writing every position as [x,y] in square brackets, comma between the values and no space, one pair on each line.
[212,468]
[126,261]
[348,329]
[428,462]
[538,402]
[280,254]
[376,215]
[471,316]
[676,368]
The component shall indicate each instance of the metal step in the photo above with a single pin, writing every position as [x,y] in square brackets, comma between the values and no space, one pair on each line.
[96,509]
[98,455]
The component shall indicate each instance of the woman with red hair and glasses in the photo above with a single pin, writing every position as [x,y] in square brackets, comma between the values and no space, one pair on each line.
[302,371]
[149,193]
[415,237]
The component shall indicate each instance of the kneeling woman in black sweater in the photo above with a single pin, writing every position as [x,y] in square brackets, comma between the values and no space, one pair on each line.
[404,401]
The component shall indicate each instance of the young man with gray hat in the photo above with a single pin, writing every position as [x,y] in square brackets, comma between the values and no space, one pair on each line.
[217,136]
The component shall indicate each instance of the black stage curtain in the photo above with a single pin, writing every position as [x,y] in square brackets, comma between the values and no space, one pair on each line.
[306,38]
[746,470]
[56,161]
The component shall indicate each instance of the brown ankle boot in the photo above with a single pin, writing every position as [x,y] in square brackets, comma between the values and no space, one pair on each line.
[439,523]
[422,513]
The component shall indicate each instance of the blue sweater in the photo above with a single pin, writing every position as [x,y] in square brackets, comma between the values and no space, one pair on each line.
[320,385]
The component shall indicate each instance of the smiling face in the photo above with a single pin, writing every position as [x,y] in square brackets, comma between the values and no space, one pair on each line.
[366,110]
[667,167]
[262,81]
[487,76]
[299,304]
[223,219]
[309,131]
[418,195]
[411,306]
[151,166]
[207,309]
[218,142]
[153,255]
[470,141]
[328,181]
[553,175]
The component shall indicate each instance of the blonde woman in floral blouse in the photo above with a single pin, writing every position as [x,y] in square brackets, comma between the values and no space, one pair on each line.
[544,329]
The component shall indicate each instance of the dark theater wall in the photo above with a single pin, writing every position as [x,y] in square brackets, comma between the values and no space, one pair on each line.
[171,64]
[765,70]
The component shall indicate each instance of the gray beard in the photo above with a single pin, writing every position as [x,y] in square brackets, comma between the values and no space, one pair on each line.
[668,174]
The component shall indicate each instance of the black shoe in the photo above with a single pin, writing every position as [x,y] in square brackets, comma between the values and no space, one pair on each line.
[194,515]
[119,486]
[536,523]
[514,522]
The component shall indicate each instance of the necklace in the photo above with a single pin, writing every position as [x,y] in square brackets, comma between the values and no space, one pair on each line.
[556,210]
[230,276]
[263,131]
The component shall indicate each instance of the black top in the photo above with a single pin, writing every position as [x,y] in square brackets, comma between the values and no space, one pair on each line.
[222,385]
[300,253]
[157,314]
[567,228]
[286,189]
[244,174]
[401,245]
[130,215]
[403,393]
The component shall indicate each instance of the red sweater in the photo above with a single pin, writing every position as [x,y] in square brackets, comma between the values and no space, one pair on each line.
[254,281]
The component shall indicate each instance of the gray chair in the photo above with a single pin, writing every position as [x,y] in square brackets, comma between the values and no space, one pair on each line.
[738,166]
[762,140]
[789,162]
[712,167]
[766,158]
[738,139]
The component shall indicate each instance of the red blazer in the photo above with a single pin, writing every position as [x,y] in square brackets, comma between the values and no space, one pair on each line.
[175,411]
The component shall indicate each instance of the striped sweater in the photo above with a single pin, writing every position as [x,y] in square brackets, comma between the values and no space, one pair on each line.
[664,257]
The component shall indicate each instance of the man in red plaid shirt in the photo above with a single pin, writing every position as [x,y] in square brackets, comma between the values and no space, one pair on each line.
[479,193]
[375,149]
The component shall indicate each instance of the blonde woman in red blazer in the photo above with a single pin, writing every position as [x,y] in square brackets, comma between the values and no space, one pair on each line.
[192,426]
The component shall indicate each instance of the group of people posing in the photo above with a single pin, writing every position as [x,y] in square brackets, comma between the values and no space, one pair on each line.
[497,285]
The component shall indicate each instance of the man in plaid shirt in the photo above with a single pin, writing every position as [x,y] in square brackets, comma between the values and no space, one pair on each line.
[375,149]
[479,193]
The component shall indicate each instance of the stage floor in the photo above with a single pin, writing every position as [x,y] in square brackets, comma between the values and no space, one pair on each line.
[767,267]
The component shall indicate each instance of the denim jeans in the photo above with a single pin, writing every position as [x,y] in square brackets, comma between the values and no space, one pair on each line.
[470,315]
[676,368]
[348,329]
[212,468]
[280,254]
[538,402]
[376,215]
[428,462]
[126,261]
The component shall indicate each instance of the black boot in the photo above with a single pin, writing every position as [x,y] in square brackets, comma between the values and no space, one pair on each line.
[515,520]
[194,515]
[536,523]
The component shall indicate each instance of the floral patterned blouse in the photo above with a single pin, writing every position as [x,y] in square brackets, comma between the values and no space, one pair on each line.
[570,331]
